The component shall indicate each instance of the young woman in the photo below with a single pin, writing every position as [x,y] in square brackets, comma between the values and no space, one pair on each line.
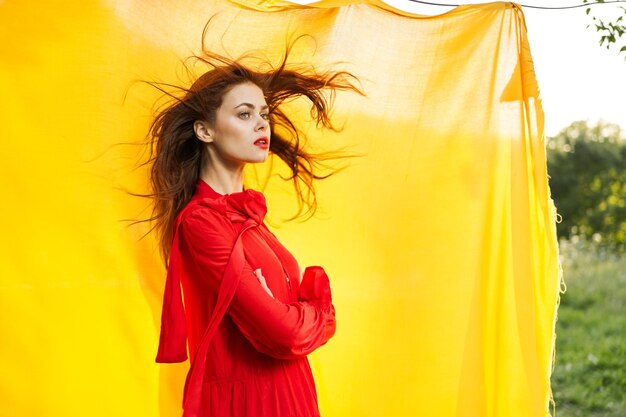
[250,315]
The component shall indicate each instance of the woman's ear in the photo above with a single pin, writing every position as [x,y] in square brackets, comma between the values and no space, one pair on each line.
[203,131]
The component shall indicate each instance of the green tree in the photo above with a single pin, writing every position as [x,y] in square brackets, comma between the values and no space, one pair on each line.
[587,169]
[610,31]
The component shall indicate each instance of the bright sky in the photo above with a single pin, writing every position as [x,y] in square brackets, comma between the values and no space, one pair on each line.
[578,79]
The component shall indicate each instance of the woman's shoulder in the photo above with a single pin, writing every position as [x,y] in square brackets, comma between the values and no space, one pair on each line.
[199,219]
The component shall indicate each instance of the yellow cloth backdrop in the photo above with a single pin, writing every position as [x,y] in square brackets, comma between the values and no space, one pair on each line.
[439,238]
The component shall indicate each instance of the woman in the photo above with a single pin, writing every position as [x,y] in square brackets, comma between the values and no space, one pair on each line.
[250,315]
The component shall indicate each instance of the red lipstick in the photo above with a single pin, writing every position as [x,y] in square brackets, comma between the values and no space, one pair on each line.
[262,142]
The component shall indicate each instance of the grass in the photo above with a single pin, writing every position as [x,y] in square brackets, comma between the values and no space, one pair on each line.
[589,379]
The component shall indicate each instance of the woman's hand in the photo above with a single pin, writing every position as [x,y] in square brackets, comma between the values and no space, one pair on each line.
[315,285]
[261,278]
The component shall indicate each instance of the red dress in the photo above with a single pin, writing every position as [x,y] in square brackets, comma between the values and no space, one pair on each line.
[253,362]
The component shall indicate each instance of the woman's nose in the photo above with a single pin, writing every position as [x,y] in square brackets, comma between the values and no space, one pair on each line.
[262,124]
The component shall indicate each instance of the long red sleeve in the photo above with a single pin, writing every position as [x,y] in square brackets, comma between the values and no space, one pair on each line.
[284,330]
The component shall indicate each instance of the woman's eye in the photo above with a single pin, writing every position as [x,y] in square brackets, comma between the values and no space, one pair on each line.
[244,115]
[266,116]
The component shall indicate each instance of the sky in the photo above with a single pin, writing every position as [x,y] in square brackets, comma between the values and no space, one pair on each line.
[578,79]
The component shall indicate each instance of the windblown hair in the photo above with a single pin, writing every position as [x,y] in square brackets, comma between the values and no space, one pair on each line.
[176,154]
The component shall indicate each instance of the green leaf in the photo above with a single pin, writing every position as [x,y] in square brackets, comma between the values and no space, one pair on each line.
[588,10]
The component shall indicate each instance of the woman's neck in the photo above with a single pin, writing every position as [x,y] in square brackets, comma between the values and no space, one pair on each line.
[223,180]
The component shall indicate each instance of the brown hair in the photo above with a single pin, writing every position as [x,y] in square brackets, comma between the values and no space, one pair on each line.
[176,155]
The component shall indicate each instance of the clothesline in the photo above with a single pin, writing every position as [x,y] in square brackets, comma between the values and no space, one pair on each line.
[529,6]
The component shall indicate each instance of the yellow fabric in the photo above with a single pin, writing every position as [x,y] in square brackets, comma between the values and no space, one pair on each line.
[439,239]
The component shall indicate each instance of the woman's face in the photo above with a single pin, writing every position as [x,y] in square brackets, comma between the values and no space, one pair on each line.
[241,131]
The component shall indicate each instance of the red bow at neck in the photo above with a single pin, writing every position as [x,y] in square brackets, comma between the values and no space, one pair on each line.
[238,207]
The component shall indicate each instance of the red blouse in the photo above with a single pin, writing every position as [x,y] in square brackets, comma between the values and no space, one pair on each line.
[255,363]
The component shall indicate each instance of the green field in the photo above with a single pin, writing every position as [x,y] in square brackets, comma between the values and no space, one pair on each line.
[589,379]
